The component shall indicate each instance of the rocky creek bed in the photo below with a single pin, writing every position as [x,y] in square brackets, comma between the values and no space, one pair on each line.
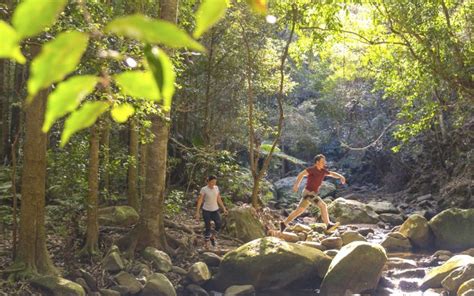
[364,255]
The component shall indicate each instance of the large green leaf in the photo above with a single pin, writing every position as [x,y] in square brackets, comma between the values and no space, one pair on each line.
[152,31]
[58,57]
[67,97]
[209,13]
[9,46]
[33,16]
[162,68]
[122,112]
[138,84]
[83,118]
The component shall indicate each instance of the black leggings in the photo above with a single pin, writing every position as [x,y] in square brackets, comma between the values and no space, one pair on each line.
[208,217]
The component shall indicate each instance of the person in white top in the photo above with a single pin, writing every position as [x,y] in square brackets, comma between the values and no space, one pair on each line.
[210,200]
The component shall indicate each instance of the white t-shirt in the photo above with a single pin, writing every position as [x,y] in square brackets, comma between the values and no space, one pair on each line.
[210,198]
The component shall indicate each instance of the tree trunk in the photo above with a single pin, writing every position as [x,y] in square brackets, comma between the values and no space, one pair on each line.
[142,172]
[33,257]
[150,230]
[3,98]
[259,173]
[105,139]
[133,166]
[91,246]
[207,110]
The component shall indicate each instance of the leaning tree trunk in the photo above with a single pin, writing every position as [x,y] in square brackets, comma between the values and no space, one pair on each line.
[150,230]
[133,166]
[91,246]
[33,257]
[259,173]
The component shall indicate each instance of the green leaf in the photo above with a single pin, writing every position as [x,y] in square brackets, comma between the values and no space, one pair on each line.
[67,97]
[162,68]
[9,46]
[259,6]
[122,112]
[83,118]
[152,31]
[209,13]
[58,57]
[138,84]
[33,16]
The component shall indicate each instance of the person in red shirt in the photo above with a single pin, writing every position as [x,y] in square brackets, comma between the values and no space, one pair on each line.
[315,174]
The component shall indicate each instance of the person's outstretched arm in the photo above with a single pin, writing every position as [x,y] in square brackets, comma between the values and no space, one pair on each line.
[337,176]
[298,180]
[221,203]
[199,203]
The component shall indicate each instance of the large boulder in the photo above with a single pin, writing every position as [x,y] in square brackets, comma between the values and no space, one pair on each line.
[452,229]
[58,286]
[417,229]
[434,277]
[284,188]
[457,277]
[121,216]
[356,268]
[270,263]
[242,223]
[158,285]
[348,211]
[160,259]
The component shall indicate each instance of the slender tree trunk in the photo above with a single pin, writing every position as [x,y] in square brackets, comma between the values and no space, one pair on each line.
[105,139]
[207,110]
[9,86]
[33,256]
[259,173]
[133,166]
[91,246]
[142,172]
[3,98]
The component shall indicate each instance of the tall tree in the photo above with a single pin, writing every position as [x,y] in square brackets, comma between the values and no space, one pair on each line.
[32,256]
[150,230]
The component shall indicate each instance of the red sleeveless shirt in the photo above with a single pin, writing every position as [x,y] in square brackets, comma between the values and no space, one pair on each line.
[315,178]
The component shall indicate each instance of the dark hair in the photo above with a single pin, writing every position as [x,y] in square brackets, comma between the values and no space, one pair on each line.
[318,157]
[211,177]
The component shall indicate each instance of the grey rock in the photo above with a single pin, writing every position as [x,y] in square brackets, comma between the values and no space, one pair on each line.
[199,273]
[160,259]
[127,280]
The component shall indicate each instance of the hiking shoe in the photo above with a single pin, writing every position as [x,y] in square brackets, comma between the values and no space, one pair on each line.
[282,226]
[213,241]
[331,226]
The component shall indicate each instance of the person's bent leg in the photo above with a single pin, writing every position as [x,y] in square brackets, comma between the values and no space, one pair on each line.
[217,226]
[207,223]
[324,212]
